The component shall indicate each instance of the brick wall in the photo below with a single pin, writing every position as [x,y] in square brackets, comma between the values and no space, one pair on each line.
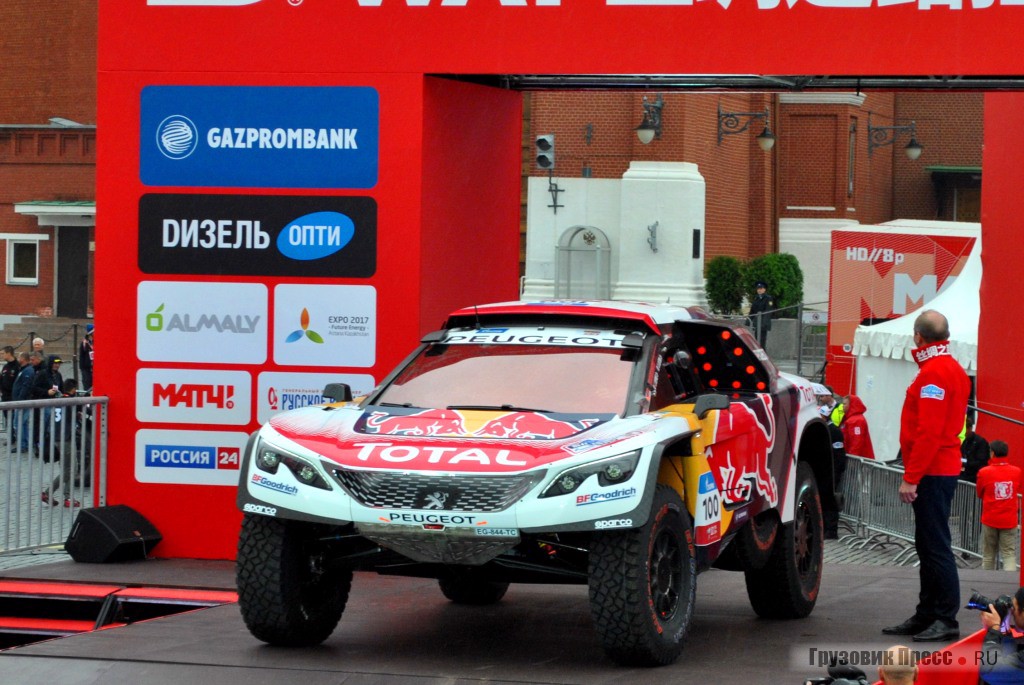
[48,50]
[40,164]
[950,128]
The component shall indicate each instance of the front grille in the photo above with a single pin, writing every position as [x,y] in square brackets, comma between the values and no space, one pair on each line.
[389,490]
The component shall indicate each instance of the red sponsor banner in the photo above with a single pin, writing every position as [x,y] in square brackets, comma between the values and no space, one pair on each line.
[881,276]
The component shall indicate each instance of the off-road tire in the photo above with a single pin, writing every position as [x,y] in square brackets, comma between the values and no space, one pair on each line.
[463,586]
[285,592]
[787,586]
[643,585]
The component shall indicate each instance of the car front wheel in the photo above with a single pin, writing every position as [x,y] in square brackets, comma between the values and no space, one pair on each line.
[643,585]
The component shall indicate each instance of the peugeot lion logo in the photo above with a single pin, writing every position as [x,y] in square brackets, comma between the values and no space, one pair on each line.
[435,500]
[177,137]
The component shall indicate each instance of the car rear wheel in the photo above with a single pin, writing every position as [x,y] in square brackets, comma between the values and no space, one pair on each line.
[643,585]
[287,594]
[463,586]
[787,586]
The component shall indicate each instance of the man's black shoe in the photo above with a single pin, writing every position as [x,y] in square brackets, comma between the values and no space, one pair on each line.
[937,632]
[912,626]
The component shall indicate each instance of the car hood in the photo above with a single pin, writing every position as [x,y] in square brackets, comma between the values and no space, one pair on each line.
[451,440]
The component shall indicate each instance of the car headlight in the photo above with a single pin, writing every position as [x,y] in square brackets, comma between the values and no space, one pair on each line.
[611,471]
[270,460]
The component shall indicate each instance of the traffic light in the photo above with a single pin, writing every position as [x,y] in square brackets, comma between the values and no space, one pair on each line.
[545,150]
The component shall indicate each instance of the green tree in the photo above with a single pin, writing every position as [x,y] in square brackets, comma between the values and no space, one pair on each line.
[724,286]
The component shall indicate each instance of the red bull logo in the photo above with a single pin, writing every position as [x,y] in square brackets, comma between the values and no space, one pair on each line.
[744,439]
[430,422]
[529,425]
[449,422]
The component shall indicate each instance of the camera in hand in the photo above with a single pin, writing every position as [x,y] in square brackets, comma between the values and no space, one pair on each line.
[841,674]
[1002,603]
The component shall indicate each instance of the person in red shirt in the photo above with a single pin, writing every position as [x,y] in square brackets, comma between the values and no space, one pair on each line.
[856,436]
[930,425]
[998,486]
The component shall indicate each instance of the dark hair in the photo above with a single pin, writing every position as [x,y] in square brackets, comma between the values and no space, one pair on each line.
[999,448]
[8,349]
[932,326]
[1019,596]
[70,385]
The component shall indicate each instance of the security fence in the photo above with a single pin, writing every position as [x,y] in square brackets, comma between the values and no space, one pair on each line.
[53,460]
[876,518]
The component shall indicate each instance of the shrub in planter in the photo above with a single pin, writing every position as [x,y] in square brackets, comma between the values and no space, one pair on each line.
[724,286]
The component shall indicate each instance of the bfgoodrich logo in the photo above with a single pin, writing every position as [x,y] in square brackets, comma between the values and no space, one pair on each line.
[177,137]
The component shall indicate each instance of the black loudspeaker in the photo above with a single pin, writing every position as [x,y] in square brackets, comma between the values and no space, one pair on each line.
[115,533]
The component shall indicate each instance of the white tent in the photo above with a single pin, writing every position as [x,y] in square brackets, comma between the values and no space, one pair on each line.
[885,365]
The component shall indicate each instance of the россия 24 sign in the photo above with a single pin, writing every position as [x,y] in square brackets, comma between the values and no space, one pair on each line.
[259,136]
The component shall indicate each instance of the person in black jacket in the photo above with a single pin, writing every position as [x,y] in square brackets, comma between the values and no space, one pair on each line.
[85,356]
[760,317]
[8,373]
[973,454]
[830,514]
[1001,658]
[43,388]
[23,391]
[65,449]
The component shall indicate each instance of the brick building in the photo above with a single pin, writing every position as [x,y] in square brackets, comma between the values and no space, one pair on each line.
[47,157]
[821,166]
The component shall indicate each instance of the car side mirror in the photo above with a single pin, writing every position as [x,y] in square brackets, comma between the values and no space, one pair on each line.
[338,392]
[706,403]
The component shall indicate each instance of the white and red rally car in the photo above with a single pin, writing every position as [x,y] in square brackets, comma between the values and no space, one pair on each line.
[625,446]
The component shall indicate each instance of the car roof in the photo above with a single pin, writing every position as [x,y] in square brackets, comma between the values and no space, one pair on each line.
[651,316]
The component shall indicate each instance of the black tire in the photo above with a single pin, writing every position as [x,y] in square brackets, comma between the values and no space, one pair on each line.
[643,585]
[286,595]
[463,586]
[787,586]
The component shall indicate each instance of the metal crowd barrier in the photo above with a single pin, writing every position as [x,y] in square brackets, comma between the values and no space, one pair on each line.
[74,452]
[877,518]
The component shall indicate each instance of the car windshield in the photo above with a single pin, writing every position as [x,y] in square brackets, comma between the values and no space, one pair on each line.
[559,379]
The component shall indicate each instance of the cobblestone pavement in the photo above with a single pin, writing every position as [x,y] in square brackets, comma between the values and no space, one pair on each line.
[32,531]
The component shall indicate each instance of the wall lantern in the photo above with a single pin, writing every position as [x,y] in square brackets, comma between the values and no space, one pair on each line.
[650,127]
[880,136]
[731,123]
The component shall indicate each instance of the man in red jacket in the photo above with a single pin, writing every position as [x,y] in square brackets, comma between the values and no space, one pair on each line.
[998,486]
[933,415]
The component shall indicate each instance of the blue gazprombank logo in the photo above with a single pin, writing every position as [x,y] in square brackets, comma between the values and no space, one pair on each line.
[259,137]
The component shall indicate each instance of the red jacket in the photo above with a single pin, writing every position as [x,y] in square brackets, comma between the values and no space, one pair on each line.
[933,415]
[998,486]
[856,436]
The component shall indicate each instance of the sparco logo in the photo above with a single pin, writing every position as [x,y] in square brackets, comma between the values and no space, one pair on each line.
[193,395]
[259,509]
[177,137]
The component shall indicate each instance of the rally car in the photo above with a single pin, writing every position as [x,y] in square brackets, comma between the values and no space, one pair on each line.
[624,446]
